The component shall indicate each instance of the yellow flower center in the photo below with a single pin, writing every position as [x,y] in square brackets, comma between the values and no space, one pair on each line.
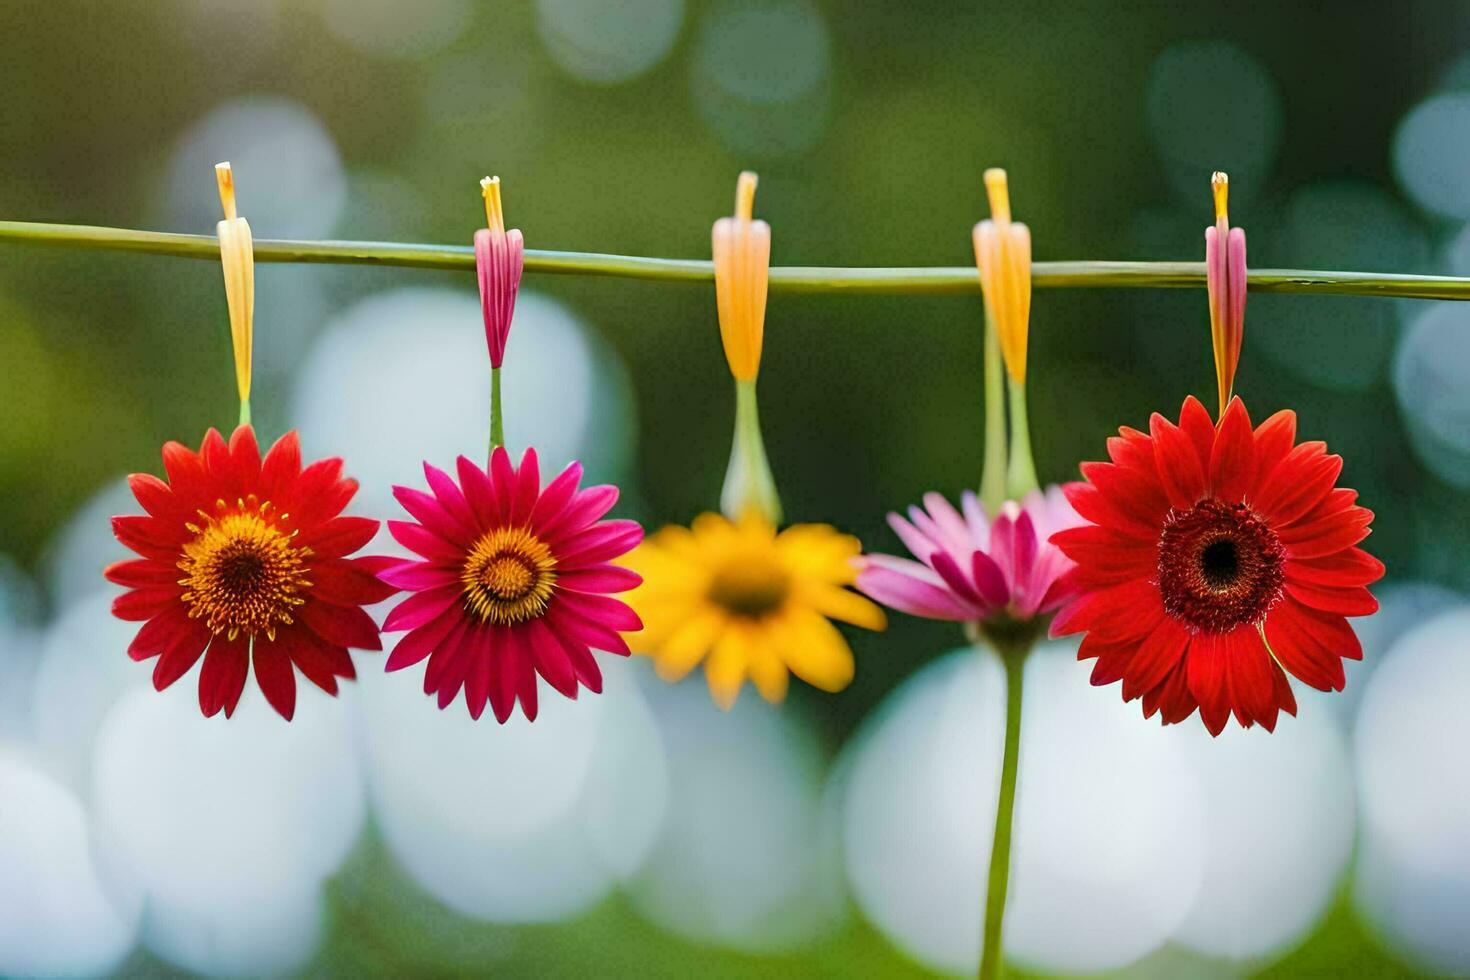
[241,572]
[750,586]
[509,576]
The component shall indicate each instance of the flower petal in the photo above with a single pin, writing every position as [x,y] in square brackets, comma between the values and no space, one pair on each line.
[1350,567]
[555,498]
[344,583]
[142,573]
[1205,663]
[1233,459]
[422,640]
[222,678]
[274,676]
[339,536]
[179,658]
[419,576]
[418,539]
[1311,644]
[527,488]
[1178,461]
[1345,601]
[346,626]
[602,578]
[599,543]
[1155,658]
[914,589]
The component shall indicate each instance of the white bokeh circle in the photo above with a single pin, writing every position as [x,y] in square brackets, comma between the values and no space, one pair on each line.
[1108,841]
[1212,106]
[608,41]
[58,917]
[1278,832]
[287,169]
[1413,881]
[84,545]
[522,822]
[1431,377]
[403,376]
[83,670]
[1401,606]
[740,862]
[392,29]
[1428,150]
[227,827]
[761,75]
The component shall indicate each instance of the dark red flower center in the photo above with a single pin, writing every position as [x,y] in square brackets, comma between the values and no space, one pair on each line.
[1220,566]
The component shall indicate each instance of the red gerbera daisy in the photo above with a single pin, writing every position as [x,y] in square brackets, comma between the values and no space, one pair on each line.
[1216,557]
[249,560]
[516,581]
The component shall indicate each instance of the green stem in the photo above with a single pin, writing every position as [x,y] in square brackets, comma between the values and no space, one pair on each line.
[1021,479]
[497,417]
[748,480]
[991,958]
[993,475]
[903,280]
[244,411]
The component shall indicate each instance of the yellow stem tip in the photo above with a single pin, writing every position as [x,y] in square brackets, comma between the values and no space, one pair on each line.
[225,178]
[1220,189]
[745,195]
[494,213]
[999,193]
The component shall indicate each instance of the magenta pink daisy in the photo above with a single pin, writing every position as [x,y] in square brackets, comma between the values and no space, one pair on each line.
[515,581]
[971,568]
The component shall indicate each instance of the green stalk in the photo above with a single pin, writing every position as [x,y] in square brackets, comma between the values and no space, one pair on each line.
[991,958]
[497,419]
[244,411]
[945,280]
[1021,479]
[748,480]
[993,475]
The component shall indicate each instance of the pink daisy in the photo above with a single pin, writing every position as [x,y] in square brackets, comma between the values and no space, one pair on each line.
[970,568]
[515,581]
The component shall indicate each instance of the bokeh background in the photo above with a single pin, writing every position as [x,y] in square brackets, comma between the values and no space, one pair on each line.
[645,833]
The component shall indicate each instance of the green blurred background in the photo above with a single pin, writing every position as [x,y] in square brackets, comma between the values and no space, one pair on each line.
[869,125]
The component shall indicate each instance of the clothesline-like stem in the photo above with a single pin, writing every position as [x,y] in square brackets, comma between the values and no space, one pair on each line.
[808,279]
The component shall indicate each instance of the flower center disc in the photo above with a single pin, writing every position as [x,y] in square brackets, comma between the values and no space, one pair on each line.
[1220,566]
[241,572]
[509,576]
[750,587]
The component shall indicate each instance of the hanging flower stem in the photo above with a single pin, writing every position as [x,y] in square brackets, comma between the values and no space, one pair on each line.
[1021,479]
[993,475]
[748,481]
[991,961]
[497,415]
[1012,640]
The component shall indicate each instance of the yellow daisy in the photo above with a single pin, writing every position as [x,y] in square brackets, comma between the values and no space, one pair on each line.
[749,602]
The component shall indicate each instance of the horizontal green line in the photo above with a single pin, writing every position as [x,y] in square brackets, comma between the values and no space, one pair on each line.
[797,279]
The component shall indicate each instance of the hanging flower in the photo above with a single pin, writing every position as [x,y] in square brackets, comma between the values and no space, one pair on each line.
[515,580]
[1225,282]
[749,602]
[741,246]
[1216,557]
[971,569]
[499,258]
[247,559]
[1003,257]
